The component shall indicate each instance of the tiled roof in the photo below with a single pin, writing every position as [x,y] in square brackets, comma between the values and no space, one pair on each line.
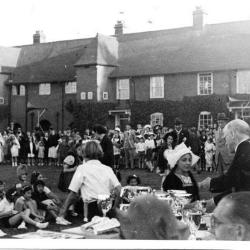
[217,47]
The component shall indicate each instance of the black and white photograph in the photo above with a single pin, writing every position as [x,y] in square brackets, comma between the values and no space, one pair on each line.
[125,124]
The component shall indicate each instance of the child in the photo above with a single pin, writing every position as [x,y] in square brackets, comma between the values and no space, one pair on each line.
[41,150]
[116,140]
[45,203]
[209,154]
[133,180]
[14,149]
[140,148]
[150,146]
[63,149]
[31,151]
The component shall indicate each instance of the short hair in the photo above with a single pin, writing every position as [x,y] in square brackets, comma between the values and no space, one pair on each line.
[239,126]
[99,129]
[130,177]
[239,211]
[39,182]
[26,189]
[93,150]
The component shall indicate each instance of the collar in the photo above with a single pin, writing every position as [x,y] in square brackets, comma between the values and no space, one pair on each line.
[236,147]
[93,162]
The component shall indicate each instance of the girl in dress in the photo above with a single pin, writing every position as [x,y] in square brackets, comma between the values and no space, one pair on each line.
[41,150]
[14,149]
[140,148]
[116,140]
[150,146]
[31,151]
[209,154]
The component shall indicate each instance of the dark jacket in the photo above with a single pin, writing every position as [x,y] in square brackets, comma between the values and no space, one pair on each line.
[237,177]
[108,154]
[179,139]
[174,182]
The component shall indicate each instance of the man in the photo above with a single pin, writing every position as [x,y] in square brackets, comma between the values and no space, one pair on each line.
[179,134]
[231,218]
[106,144]
[129,146]
[149,218]
[237,178]
[223,156]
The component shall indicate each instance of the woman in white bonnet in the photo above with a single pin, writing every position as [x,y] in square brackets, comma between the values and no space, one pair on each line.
[180,160]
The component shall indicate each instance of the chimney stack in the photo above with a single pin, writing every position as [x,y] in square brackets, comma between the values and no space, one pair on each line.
[198,18]
[118,28]
[38,37]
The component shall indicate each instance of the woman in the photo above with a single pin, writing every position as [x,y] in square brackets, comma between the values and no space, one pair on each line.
[180,160]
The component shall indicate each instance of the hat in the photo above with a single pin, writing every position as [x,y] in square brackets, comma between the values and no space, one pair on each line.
[147,126]
[26,189]
[178,121]
[117,129]
[69,160]
[22,169]
[165,137]
[174,155]
[222,117]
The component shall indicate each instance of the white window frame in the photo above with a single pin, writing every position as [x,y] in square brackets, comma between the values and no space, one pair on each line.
[154,81]
[44,89]
[202,124]
[70,87]
[247,88]
[1,100]
[105,95]
[90,95]
[83,96]
[123,93]
[199,83]
[22,90]
[156,117]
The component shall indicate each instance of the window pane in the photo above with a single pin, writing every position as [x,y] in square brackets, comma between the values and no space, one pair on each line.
[243,82]
[157,87]
[122,87]
[14,90]
[205,83]
[44,89]
[22,90]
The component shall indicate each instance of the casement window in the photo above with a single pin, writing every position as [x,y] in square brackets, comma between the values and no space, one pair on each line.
[205,83]
[157,87]
[70,88]
[122,89]
[83,95]
[1,100]
[18,90]
[205,119]
[105,95]
[90,95]
[44,89]
[243,82]
[156,119]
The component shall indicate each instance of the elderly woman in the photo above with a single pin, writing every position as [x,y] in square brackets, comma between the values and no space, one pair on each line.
[92,179]
[180,160]
[149,218]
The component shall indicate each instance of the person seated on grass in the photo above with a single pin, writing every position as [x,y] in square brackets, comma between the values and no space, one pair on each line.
[26,202]
[231,217]
[45,203]
[12,218]
[149,218]
[35,176]
[16,191]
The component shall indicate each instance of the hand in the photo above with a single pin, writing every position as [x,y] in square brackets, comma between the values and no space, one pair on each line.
[210,205]
[205,184]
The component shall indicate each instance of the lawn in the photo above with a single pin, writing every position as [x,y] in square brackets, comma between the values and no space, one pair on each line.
[8,175]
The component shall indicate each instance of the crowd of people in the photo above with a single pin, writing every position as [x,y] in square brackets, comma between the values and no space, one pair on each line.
[91,164]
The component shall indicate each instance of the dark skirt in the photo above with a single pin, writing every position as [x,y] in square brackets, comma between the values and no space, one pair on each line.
[64,180]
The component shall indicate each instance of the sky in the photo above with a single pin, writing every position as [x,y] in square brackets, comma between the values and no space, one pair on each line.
[74,19]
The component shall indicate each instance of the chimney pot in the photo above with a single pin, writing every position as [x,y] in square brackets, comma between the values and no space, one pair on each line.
[38,37]
[118,28]
[198,18]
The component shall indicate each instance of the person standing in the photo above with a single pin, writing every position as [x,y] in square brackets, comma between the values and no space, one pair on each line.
[129,146]
[223,156]
[237,178]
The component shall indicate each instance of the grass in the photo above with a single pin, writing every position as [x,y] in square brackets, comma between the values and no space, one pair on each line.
[8,175]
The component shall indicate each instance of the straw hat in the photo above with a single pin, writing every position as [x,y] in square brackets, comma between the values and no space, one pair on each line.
[69,160]
[174,155]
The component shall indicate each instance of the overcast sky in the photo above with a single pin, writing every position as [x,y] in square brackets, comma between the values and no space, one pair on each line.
[73,19]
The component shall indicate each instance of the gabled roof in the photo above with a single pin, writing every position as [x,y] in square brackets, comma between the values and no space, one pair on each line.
[8,57]
[217,47]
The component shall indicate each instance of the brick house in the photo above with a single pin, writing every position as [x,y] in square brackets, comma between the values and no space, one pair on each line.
[149,77]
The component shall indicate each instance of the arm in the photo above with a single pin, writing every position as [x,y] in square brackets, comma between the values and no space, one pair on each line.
[54,197]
